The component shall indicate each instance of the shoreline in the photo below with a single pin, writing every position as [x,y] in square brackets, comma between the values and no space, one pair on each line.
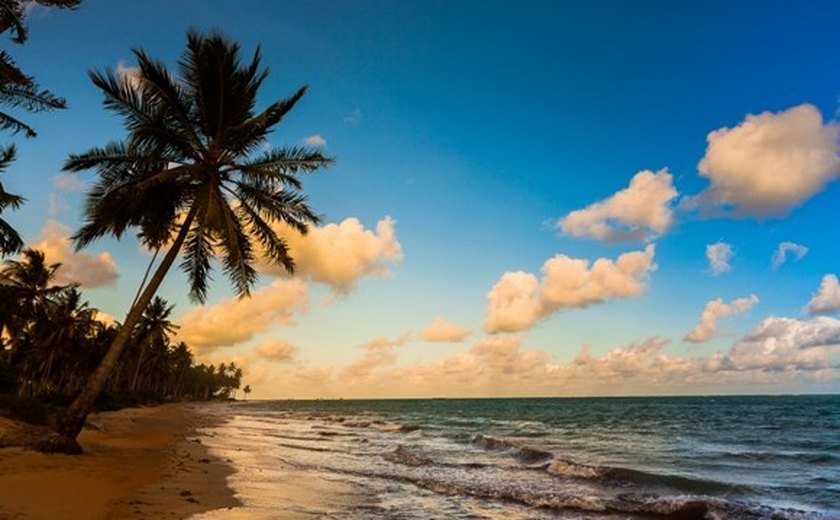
[138,463]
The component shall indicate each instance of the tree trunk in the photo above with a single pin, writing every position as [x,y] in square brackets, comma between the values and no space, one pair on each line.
[71,422]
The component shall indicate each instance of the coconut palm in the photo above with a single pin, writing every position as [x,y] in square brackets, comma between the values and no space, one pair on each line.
[10,241]
[17,90]
[192,176]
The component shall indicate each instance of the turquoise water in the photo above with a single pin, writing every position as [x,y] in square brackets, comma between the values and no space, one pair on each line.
[601,458]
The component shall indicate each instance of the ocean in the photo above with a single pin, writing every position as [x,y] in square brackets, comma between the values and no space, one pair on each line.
[738,457]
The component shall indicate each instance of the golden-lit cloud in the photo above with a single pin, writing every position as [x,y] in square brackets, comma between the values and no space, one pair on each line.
[275,350]
[86,269]
[376,353]
[827,298]
[778,351]
[770,163]
[642,211]
[339,255]
[236,320]
[719,254]
[715,310]
[443,331]
[518,300]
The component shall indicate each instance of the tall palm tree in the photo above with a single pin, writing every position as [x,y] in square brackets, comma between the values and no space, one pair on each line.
[191,175]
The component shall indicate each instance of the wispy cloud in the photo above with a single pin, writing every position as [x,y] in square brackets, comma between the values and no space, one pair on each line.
[353,118]
[715,310]
[719,254]
[781,254]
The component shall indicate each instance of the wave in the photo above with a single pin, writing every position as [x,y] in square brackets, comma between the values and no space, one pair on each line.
[524,454]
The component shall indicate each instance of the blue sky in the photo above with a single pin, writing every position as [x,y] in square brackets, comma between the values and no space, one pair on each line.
[476,126]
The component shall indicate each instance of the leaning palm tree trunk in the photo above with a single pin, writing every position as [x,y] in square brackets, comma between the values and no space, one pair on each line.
[70,424]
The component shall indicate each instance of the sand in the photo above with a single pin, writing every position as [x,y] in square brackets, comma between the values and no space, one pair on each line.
[140,463]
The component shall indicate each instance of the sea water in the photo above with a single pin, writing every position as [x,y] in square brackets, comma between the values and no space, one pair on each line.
[756,457]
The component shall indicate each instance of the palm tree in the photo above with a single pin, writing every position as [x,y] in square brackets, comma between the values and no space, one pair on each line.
[17,90]
[152,330]
[10,241]
[246,391]
[190,175]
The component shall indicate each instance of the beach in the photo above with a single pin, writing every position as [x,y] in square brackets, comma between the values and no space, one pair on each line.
[138,463]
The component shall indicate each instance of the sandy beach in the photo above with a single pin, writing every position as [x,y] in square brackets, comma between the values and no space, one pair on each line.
[139,463]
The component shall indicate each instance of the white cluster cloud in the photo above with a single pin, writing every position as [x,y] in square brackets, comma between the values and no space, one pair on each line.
[781,254]
[518,300]
[779,344]
[719,255]
[86,269]
[827,298]
[640,211]
[443,331]
[275,350]
[235,320]
[315,140]
[340,254]
[771,162]
[715,310]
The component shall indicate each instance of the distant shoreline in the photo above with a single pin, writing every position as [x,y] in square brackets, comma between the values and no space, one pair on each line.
[138,463]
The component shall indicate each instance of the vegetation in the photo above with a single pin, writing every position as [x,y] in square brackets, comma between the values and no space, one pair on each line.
[191,177]
[19,91]
[52,342]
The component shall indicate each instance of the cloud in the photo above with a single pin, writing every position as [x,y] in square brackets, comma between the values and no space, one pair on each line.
[779,344]
[315,140]
[771,162]
[353,118]
[275,350]
[235,320]
[339,255]
[518,300]
[780,353]
[376,353]
[827,298]
[104,318]
[68,182]
[642,211]
[715,310]
[443,331]
[56,204]
[719,255]
[780,256]
[129,75]
[86,269]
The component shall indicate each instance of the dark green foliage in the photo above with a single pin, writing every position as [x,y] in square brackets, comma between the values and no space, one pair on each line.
[21,92]
[54,341]
[195,145]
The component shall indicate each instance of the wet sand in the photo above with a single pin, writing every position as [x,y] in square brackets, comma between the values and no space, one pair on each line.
[140,463]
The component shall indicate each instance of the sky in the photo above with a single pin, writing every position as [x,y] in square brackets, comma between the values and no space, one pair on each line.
[529,198]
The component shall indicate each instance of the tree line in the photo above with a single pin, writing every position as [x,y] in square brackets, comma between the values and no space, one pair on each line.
[52,340]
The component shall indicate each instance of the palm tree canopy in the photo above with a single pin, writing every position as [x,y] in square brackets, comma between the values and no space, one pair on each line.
[194,155]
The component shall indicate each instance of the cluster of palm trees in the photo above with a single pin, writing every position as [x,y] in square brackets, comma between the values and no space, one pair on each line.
[52,341]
